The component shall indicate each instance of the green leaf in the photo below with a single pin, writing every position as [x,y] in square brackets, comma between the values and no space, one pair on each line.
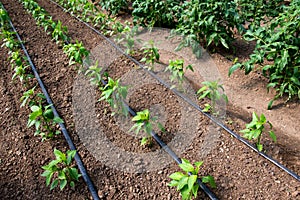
[182,182]
[187,167]
[49,114]
[35,108]
[272,135]
[259,147]
[58,120]
[61,175]
[192,180]
[176,176]
[195,190]
[63,184]
[173,183]
[144,141]
[72,184]
[234,67]
[54,184]
[210,180]
[73,173]
[59,155]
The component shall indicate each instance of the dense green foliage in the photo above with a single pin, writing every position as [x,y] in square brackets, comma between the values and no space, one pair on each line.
[155,12]
[210,21]
[277,52]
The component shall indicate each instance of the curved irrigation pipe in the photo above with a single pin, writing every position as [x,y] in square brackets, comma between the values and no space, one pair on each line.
[213,119]
[77,158]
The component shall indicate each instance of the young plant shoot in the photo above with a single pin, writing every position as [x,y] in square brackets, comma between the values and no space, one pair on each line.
[186,181]
[61,171]
[115,95]
[142,122]
[255,129]
[151,54]
[176,68]
[211,91]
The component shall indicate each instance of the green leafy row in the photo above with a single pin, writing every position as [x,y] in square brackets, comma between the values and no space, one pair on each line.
[41,116]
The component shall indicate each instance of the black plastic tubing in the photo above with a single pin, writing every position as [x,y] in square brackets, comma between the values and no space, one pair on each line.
[237,136]
[77,158]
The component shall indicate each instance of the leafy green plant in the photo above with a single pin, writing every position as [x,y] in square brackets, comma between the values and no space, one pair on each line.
[59,32]
[209,22]
[255,129]
[44,120]
[115,95]
[186,182]
[211,91]
[258,12]
[60,170]
[9,40]
[28,97]
[76,52]
[156,13]
[277,52]
[94,73]
[151,54]
[143,122]
[114,6]
[176,67]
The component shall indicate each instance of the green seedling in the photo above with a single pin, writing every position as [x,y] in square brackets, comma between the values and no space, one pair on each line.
[255,129]
[76,52]
[94,73]
[59,32]
[151,54]
[44,121]
[186,182]
[17,60]
[9,40]
[115,95]
[211,91]
[176,67]
[143,122]
[30,98]
[60,170]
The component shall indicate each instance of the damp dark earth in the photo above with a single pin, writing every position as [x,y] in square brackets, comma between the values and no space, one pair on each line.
[81,50]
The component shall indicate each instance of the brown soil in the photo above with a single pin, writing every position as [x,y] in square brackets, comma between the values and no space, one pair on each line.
[239,172]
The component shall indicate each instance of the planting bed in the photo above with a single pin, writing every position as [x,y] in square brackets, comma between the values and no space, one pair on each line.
[239,172]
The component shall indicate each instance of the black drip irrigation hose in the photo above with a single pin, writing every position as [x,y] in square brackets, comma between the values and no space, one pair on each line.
[77,158]
[189,101]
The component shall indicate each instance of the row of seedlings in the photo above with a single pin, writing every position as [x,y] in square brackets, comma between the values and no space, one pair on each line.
[41,117]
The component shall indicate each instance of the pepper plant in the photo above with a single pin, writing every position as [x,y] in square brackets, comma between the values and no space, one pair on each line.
[277,53]
[255,129]
[176,67]
[143,122]
[76,52]
[115,95]
[43,119]
[186,182]
[60,170]
[211,91]
[151,54]
[209,22]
